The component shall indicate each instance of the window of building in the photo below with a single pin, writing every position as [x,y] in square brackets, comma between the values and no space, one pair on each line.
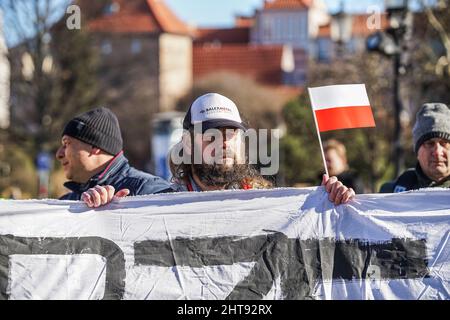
[267,28]
[27,66]
[112,8]
[279,21]
[136,46]
[303,27]
[323,54]
[291,27]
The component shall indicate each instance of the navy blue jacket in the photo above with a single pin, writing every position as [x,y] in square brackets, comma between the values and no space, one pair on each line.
[120,175]
[413,179]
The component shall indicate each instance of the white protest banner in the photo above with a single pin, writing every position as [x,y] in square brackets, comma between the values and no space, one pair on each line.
[253,244]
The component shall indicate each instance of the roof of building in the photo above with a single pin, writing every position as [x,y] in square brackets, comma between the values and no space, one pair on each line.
[262,63]
[140,16]
[230,35]
[244,21]
[287,4]
[168,21]
[360,26]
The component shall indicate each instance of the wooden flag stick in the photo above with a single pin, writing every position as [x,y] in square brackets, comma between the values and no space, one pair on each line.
[318,136]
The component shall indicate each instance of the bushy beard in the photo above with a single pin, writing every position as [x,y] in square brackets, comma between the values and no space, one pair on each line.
[221,175]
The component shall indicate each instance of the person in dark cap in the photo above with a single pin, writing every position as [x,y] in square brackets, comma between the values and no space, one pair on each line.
[431,136]
[91,156]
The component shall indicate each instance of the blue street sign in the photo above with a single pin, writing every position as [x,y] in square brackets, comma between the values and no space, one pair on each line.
[43,161]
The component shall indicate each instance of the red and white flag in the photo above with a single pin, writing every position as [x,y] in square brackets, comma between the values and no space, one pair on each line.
[341,107]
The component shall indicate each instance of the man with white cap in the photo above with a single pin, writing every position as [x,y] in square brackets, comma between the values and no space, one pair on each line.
[210,156]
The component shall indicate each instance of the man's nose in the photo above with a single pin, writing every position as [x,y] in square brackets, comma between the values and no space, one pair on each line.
[225,138]
[60,153]
[228,134]
[437,149]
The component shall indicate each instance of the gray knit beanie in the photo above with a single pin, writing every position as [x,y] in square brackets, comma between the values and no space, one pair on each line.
[432,121]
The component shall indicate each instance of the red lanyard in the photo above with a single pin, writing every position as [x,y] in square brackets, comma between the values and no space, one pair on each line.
[246,186]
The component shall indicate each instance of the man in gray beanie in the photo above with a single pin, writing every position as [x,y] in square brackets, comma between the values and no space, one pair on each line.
[431,135]
[91,156]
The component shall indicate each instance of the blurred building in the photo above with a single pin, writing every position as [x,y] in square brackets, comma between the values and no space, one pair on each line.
[273,46]
[274,43]
[345,35]
[150,58]
[277,42]
[145,67]
[4,79]
[147,35]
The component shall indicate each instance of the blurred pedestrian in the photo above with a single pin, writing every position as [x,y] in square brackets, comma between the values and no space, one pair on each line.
[337,164]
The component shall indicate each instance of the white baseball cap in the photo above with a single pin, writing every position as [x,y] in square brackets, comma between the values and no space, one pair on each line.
[213,110]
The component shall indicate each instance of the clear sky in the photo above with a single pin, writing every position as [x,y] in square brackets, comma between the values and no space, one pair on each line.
[222,12]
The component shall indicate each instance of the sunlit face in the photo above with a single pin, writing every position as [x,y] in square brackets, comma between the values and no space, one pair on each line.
[75,159]
[221,147]
[433,156]
[335,163]
[218,157]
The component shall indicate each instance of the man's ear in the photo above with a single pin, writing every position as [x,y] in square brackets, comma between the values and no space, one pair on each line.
[95,151]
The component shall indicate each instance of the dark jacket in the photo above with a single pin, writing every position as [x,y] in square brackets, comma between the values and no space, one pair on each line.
[350,179]
[120,175]
[413,179]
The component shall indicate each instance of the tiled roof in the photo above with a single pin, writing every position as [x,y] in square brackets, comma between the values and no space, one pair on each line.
[287,4]
[124,23]
[148,16]
[244,21]
[167,20]
[359,26]
[231,35]
[262,63]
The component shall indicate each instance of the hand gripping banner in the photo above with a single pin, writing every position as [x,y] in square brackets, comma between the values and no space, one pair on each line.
[253,244]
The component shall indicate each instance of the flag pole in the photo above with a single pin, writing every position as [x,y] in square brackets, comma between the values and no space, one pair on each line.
[318,136]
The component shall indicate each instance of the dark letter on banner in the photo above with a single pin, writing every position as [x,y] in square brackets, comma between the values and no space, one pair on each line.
[299,264]
[115,261]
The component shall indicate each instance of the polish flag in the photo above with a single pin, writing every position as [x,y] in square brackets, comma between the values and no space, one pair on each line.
[341,107]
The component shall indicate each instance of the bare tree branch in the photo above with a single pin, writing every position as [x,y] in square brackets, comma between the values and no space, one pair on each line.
[444,61]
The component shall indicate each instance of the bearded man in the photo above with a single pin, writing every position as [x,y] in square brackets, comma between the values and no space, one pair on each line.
[211,155]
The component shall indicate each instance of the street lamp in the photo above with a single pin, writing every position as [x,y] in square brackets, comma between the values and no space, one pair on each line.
[341,29]
[391,43]
[396,4]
